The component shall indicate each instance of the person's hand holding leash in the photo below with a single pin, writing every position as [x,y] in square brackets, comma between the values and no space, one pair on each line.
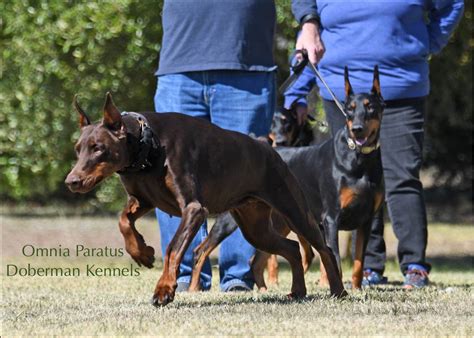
[310,40]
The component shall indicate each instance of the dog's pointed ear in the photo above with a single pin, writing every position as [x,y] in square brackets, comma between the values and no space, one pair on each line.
[83,118]
[112,118]
[376,83]
[347,83]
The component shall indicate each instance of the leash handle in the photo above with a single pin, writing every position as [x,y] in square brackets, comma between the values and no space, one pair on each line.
[318,74]
[303,62]
[297,68]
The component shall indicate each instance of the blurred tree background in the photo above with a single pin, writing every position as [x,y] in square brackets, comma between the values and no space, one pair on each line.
[53,49]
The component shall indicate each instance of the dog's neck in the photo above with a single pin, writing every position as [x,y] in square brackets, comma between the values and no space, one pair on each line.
[144,150]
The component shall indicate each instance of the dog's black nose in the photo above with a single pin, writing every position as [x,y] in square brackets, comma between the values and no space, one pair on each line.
[357,128]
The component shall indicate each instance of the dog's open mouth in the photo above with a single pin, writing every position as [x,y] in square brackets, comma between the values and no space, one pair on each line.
[361,141]
[366,141]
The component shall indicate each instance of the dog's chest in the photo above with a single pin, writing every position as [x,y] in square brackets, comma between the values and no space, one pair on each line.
[358,201]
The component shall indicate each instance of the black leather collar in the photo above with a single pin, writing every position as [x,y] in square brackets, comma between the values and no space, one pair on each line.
[149,149]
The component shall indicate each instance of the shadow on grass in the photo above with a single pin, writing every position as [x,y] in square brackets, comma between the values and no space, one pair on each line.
[236,299]
[438,263]
[452,263]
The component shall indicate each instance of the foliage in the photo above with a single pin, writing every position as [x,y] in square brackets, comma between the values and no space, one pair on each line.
[53,49]
[449,107]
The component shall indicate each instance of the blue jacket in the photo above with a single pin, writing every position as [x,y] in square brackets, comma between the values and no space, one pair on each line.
[399,36]
[215,35]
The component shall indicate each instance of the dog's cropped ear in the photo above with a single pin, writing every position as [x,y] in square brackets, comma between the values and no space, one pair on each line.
[347,83]
[83,118]
[112,118]
[376,83]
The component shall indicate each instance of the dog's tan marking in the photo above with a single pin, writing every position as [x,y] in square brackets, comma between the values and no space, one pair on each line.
[346,196]
[378,200]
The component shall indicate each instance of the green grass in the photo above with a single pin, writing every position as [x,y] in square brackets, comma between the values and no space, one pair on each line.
[120,305]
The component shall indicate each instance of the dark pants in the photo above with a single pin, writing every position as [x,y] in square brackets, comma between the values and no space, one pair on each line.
[401,144]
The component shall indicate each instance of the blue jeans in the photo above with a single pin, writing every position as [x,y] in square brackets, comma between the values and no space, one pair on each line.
[236,100]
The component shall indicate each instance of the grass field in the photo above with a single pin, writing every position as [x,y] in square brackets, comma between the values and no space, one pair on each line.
[120,305]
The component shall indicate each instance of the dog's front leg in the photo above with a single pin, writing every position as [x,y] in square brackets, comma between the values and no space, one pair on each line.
[193,215]
[134,242]
[361,241]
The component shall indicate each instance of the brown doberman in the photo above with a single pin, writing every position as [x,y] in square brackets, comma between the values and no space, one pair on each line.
[191,168]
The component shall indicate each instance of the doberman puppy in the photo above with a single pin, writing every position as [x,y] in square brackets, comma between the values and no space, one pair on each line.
[341,178]
[286,131]
[190,168]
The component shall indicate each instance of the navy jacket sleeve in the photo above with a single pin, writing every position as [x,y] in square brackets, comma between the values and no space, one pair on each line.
[444,17]
[301,8]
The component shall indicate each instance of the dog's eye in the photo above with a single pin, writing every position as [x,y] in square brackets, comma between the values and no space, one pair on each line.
[349,113]
[97,148]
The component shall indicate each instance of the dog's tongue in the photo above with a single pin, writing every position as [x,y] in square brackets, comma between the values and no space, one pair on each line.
[360,141]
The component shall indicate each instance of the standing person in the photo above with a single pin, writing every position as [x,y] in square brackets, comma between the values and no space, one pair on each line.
[397,37]
[216,63]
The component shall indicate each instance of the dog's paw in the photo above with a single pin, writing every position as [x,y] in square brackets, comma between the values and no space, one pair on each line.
[341,294]
[163,296]
[144,256]
[295,295]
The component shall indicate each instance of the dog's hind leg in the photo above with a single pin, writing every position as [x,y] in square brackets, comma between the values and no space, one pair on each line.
[255,223]
[308,254]
[134,243]
[258,267]
[291,203]
[193,215]
[272,268]
[224,226]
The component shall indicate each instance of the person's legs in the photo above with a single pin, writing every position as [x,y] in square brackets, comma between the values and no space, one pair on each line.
[402,138]
[375,254]
[182,93]
[243,102]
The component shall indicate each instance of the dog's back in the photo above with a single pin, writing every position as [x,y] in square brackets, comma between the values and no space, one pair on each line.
[226,150]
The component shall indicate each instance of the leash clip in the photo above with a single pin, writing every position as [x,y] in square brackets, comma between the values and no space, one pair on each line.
[351,143]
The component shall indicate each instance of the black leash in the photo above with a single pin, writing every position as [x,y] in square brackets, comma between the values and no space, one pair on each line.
[298,69]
